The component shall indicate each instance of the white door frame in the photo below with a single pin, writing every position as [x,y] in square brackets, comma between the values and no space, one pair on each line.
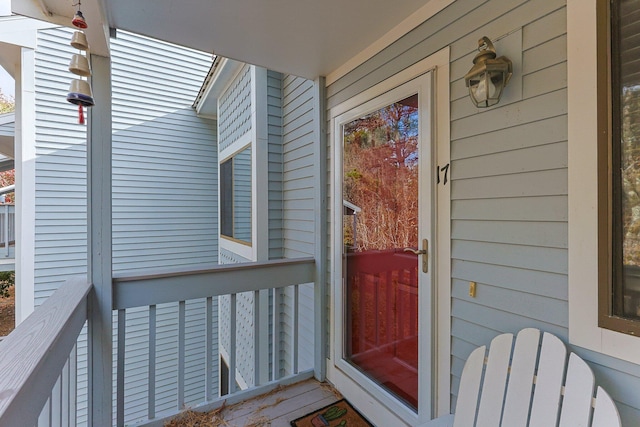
[378,405]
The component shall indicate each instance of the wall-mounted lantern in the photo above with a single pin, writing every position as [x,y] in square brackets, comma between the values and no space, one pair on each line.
[488,76]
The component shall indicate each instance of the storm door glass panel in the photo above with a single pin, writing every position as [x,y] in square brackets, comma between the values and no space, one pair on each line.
[380,219]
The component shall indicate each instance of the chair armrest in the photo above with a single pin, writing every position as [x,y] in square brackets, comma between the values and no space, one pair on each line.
[445,421]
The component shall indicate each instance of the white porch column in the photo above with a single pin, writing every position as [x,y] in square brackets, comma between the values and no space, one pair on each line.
[99,245]
[321,309]
[260,213]
[25,165]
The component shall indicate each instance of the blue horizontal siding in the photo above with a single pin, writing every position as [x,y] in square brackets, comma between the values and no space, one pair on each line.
[164,191]
[164,203]
[508,179]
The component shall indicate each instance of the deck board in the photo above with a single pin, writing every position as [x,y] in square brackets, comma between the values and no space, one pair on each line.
[279,407]
[285,420]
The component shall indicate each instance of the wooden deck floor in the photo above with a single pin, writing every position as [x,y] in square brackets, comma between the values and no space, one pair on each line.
[279,407]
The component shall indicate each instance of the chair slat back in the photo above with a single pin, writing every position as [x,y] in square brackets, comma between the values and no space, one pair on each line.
[510,404]
[495,381]
[578,392]
[523,365]
[469,389]
[550,375]
[605,413]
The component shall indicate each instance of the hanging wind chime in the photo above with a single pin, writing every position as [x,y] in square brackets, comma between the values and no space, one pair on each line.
[80,90]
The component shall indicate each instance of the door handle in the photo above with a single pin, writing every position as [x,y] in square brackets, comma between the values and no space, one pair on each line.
[415,251]
[424,252]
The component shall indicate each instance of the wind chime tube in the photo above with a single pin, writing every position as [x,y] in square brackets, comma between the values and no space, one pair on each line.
[80,95]
[79,65]
[79,40]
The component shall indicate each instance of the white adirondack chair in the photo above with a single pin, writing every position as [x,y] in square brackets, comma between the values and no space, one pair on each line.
[525,387]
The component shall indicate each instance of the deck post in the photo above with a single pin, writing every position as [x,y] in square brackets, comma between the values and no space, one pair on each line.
[25,192]
[100,331]
[320,220]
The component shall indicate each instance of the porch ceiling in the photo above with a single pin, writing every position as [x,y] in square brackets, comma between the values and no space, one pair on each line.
[302,37]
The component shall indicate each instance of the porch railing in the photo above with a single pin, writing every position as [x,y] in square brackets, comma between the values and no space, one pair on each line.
[38,359]
[7,227]
[254,281]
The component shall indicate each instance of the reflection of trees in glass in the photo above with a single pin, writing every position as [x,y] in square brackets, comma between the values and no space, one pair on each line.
[381,176]
[8,178]
[631,174]
[7,103]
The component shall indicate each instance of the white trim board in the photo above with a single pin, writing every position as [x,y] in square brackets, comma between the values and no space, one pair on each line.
[7,118]
[259,165]
[245,141]
[244,250]
[224,74]
[25,165]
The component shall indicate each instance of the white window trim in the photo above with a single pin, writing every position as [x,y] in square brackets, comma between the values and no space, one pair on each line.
[258,139]
[244,249]
[583,184]
[438,63]
[235,147]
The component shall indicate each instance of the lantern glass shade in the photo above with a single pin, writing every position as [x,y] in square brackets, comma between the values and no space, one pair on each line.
[488,76]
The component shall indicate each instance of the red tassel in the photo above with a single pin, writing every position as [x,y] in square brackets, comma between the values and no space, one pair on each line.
[80,115]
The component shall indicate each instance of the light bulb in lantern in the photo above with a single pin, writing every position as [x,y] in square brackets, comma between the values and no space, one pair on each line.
[485,89]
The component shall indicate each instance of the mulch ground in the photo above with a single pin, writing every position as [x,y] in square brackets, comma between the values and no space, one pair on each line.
[7,313]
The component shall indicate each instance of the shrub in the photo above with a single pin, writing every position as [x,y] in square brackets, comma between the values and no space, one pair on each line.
[7,280]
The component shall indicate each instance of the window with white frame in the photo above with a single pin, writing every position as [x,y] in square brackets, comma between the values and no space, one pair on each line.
[604,176]
[619,138]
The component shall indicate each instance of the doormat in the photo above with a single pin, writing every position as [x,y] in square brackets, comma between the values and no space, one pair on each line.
[338,414]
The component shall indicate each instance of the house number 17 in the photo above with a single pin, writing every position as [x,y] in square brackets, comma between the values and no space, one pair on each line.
[444,171]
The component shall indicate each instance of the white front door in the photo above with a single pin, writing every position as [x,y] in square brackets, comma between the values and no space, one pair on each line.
[386,189]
